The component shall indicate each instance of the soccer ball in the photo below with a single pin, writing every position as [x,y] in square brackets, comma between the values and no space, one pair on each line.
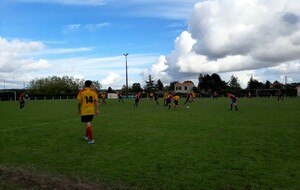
[187,106]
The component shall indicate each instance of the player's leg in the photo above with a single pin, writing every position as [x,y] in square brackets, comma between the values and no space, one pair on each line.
[169,104]
[176,104]
[89,132]
[22,104]
[236,108]
[234,103]
[87,119]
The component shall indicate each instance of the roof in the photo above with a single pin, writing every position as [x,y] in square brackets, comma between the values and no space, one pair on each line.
[184,84]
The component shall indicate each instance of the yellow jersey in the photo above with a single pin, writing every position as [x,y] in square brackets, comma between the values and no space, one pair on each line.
[103,95]
[87,99]
[166,94]
[176,98]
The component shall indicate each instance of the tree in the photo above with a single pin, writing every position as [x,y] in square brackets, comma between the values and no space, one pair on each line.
[159,85]
[211,82]
[234,83]
[136,87]
[110,90]
[254,84]
[58,85]
[217,83]
[96,85]
[54,85]
[206,82]
[172,85]
[200,82]
[277,85]
[268,84]
[149,84]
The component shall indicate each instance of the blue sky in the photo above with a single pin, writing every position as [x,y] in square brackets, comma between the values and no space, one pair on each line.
[173,40]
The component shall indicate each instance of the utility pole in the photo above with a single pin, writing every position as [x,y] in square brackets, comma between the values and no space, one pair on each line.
[126,54]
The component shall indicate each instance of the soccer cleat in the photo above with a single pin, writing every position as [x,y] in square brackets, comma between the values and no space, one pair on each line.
[91,142]
[85,138]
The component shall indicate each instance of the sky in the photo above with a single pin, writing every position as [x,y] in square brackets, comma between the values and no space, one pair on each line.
[171,40]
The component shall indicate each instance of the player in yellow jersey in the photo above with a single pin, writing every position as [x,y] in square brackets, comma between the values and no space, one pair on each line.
[176,100]
[87,101]
[103,97]
[165,96]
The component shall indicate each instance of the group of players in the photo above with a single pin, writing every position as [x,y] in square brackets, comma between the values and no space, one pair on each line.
[168,97]
[88,104]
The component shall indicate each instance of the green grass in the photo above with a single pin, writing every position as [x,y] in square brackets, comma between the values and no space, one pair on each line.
[149,147]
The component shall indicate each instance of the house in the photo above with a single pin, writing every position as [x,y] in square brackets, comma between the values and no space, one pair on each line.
[298,90]
[185,87]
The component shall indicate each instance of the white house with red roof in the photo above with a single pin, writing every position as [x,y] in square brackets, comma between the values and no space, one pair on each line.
[185,87]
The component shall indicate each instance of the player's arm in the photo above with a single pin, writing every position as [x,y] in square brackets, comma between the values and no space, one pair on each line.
[79,106]
[79,103]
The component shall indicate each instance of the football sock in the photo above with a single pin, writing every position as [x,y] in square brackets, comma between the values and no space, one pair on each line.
[236,108]
[89,132]
[231,107]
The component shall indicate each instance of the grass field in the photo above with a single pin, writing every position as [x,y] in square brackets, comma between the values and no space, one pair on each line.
[149,147]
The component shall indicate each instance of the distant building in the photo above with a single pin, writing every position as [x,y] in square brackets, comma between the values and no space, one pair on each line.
[185,87]
[298,90]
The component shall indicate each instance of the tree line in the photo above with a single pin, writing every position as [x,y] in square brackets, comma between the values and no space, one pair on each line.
[58,85]
[206,83]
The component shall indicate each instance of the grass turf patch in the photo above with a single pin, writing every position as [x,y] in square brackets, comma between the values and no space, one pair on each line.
[149,147]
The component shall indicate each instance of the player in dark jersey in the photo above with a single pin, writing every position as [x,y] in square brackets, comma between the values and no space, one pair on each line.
[233,101]
[22,99]
[137,99]
[156,98]
[169,100]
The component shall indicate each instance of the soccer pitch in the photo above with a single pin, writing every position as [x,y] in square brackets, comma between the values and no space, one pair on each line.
[149,147]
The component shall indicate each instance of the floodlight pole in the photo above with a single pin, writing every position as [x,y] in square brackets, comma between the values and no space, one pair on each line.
[126,54]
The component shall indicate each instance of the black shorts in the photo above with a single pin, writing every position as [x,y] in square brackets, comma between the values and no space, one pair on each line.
[87,118]
[168,100]
[176,102]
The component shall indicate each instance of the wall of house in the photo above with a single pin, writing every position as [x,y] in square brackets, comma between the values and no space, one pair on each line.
[183,89]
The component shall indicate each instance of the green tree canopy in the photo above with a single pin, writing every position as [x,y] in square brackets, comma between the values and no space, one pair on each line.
[172,85]
[255,84]
[159,85]
[234,83]
[58,85]
[136,87]
[150,84]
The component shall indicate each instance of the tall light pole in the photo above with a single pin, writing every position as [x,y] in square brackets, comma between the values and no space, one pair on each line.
[126,54]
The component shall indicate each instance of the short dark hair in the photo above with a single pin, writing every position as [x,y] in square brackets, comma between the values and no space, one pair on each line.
[88,83]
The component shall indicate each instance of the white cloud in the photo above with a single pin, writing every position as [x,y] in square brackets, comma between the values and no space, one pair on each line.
[157,71]
[14,61]
[93,27]
[71,27]
[238,37]
[22,61]
[113,80]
